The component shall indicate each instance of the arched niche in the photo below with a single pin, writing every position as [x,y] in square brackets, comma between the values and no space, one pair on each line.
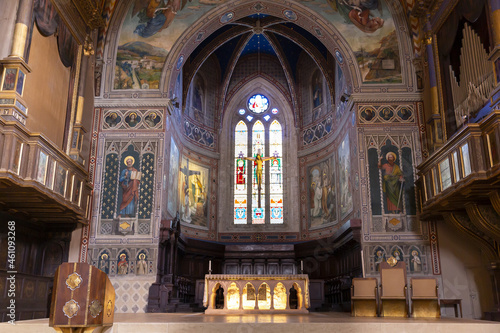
[279,297]
[217,297]
[264,297]
[233,297]
[249,297]
[227,160]
[296,298]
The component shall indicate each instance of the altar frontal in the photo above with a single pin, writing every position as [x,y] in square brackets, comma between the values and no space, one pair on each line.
[240,293]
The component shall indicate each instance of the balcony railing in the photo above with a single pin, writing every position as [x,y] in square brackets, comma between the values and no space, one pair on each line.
[39,180]
[467,166]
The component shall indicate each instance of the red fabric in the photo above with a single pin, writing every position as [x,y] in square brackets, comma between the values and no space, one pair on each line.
[129,193]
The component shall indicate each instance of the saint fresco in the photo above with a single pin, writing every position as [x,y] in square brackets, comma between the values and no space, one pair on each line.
[172,178]
[368,27]
[322,193]
[193,193]
[148,33]
[345,180]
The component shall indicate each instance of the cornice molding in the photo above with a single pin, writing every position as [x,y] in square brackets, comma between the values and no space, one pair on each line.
[132,103]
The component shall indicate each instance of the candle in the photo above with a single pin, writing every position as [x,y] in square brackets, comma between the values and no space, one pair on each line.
[210,265]
[302,266]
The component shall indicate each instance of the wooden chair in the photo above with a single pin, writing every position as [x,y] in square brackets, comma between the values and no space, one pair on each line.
[393,290]
[424,298]
[364,297]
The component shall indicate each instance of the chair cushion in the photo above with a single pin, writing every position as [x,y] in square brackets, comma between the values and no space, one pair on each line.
[424,289]
[393,282]
[364,288]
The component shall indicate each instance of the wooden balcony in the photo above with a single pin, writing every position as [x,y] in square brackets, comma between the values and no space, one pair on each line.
[38,181]
[465,171]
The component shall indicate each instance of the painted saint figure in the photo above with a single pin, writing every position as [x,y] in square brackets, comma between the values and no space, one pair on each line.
[240,172]
[392,184]
[141,264]
[123,264]
[379,257]
[104,263]
[358,12]
[416,263]
[129,181]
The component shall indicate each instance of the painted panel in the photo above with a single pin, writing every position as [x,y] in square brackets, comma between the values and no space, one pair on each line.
[344,178]
[147,35]
[322,193]
[173,176]
[193,193]
[369,28]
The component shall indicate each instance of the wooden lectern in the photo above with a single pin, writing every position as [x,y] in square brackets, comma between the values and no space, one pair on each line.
[83,299]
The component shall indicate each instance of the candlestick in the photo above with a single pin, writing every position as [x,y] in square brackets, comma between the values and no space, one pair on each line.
[210,265]
[302,266]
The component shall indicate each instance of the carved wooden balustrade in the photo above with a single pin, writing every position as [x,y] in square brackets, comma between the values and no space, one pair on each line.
[40,181]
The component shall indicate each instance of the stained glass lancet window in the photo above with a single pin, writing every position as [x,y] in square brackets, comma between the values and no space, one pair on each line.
[258,197]
[276,182]
[240,187]
[254,199]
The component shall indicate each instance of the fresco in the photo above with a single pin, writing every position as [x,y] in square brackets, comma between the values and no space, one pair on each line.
[151,28]
[368,27]
[172,177]
[391,177]
[345,180]
[193,193]
[148,33]
[128,188]
[322,193]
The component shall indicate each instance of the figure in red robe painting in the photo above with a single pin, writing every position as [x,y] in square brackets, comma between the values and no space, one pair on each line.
[240,172]
[129,181]
[392,183]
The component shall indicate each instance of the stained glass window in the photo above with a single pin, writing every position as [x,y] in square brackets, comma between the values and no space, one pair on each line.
[258,103]
[240,188]
[258,199]
[255,201]
[276,182]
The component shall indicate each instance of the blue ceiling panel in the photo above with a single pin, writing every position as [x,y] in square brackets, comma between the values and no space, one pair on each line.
[258,43]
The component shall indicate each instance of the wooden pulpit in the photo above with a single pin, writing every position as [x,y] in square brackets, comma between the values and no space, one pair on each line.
[83,299]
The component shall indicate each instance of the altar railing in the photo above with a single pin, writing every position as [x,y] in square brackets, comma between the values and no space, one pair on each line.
[240,293]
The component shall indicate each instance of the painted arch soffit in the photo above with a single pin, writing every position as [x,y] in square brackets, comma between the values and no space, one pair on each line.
[326,20]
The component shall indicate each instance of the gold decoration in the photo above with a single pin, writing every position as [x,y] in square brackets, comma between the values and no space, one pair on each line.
[74,280]
[394,221]
[88,46]
[392,261]
[124,225]
[129,158]
[71,308]
[109,309]
[95,308]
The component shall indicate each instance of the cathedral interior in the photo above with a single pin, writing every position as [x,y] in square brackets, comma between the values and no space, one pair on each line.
[158,140]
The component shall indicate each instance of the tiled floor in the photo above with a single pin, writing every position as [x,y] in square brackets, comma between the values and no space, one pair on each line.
[262,323]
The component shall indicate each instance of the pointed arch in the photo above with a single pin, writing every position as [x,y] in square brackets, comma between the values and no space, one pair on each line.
[276,179]
[240,174]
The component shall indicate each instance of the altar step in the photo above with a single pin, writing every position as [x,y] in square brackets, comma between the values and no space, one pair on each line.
[315,322]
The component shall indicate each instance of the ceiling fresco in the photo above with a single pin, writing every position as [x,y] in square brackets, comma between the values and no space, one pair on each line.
[368,27]
[151,28]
